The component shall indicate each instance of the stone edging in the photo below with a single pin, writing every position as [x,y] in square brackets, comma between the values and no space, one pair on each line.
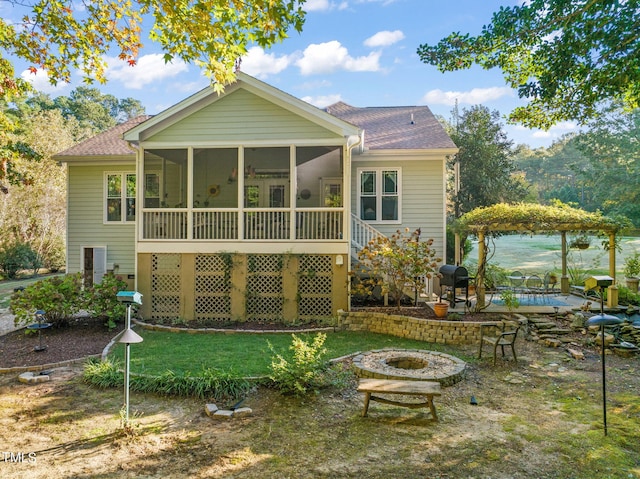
[41,367]
[174,329]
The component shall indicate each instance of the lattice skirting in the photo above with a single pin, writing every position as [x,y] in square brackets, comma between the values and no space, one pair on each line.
[238,287]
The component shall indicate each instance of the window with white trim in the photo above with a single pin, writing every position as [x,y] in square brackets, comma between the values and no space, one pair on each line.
[379,194]
[120,197]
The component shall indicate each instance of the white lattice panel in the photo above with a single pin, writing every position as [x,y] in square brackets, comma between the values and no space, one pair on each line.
[212,288]
[315,287]
[165,286]
[264,288]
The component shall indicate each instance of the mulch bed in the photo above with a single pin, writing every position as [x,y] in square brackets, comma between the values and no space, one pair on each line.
[84,337]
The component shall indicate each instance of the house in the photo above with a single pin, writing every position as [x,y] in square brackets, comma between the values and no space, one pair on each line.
[246,205]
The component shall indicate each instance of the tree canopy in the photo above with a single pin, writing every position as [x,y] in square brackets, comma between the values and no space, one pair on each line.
[484,159]
[61,36]
[565,57]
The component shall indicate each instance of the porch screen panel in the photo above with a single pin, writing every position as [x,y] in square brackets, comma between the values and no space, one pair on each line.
[165,173]
[319,172]
[215,178]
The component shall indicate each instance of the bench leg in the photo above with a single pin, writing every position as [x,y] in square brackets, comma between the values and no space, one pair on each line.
[367,397]
[432,408]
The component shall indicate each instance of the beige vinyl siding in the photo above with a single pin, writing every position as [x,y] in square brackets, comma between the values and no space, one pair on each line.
[421,196]
[239,117]
[85,214]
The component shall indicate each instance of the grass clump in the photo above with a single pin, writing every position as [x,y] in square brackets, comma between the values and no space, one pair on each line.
[210,383]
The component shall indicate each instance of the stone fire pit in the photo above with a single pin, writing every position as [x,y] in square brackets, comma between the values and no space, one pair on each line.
[410,364]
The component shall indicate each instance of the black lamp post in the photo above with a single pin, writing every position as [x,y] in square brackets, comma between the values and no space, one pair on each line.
[602,320]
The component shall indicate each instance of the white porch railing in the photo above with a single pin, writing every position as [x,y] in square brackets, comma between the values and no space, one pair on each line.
[222,225]
[257,224]
[362,233]
[165,224]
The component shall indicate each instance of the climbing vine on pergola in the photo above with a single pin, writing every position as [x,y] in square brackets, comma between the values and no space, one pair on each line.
[532,218]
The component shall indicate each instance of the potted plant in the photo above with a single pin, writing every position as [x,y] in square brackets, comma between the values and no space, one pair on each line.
[631,271]
[441,309]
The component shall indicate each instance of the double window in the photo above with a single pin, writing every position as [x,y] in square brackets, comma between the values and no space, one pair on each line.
[120,201]
[379,194]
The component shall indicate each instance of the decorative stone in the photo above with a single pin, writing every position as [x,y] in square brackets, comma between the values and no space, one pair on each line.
[210,409]
[222,414]
[575,354]
[33,378]
[242,412]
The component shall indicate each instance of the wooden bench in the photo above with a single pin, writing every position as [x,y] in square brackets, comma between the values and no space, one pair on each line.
[407,388]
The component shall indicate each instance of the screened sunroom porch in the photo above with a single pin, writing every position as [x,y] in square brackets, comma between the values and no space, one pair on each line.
[275,193]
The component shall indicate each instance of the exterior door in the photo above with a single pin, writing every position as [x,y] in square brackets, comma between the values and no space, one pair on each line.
[94,264]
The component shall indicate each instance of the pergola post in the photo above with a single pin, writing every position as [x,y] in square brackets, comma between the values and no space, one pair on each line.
[564,279]
[482,253]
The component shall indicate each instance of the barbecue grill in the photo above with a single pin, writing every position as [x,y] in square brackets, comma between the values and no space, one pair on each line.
[454,277]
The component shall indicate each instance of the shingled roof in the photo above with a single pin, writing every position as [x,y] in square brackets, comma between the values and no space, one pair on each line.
[108,143]
[397,127]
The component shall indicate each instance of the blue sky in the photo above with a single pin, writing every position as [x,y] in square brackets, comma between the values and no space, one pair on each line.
[362,52]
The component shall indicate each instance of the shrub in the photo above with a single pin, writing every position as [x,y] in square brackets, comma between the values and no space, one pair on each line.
[60,297]
[15,257]
[303,370]
[628,297]
[391,263]
[102,301]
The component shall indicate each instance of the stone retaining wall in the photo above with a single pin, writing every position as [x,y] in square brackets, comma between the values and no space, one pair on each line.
[428,330]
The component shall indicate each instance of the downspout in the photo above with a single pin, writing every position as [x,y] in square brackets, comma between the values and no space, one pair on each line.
[352,142]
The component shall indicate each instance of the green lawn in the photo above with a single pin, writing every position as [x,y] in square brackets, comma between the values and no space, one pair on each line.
[243,354]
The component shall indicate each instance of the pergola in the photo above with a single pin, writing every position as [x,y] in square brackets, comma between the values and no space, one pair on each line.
[535,218]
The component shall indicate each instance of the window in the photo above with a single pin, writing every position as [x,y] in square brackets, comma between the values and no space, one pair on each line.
[379,195]
[120,205]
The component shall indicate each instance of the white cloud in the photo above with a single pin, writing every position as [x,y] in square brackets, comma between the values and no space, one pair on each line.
[148,69]
[471,97]
[323,100]
[324,5]
[384,38]
[332,56]
[40,81]
[317,5]
[259,64]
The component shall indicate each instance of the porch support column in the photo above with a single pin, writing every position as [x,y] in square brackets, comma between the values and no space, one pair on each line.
[482,258]
[612,294]
[457,253]
[564,279]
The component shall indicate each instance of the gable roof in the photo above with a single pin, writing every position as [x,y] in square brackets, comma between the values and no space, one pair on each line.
[109,143]
[397,127]
[263,90]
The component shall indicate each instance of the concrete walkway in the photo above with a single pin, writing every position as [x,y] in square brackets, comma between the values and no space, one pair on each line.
[6,322]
